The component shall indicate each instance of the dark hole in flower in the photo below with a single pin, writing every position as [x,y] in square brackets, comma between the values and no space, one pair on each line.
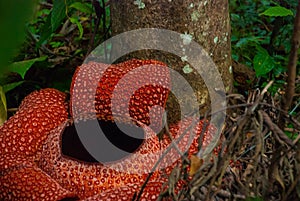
[108,144]
[70,199]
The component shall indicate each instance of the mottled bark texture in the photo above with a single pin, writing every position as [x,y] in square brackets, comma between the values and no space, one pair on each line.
[206,20]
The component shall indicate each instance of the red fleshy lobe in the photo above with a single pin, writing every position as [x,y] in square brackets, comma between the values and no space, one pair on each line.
[24,133]
[21,139]
[130,88]
[31,183]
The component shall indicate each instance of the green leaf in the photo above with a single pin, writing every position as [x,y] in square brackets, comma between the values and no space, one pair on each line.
[14,15]
[75,21]
[54,19]
[3,107]
[263,62]
[247,40]
[22,67]
[46,31]
[11,86]
[58,13]
[277,11]
[234,17]
[83,7]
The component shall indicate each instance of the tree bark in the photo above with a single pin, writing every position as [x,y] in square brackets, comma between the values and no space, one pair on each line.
[291,69]
[207,21]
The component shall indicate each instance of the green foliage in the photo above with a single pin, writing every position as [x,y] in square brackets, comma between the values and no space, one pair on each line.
[54,19]
[22,67]
[261,35]
[11,86]
[263,63]
[76,21]
[57,39]
[277,11]
[3,107]
[82,7]
[14,14]
[58,13]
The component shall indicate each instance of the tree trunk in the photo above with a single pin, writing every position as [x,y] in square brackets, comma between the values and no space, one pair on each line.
[207,21]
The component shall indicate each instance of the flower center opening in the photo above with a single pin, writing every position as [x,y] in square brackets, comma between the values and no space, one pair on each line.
[113,141]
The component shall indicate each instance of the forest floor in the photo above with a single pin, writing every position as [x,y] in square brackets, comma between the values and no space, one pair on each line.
[260,161]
